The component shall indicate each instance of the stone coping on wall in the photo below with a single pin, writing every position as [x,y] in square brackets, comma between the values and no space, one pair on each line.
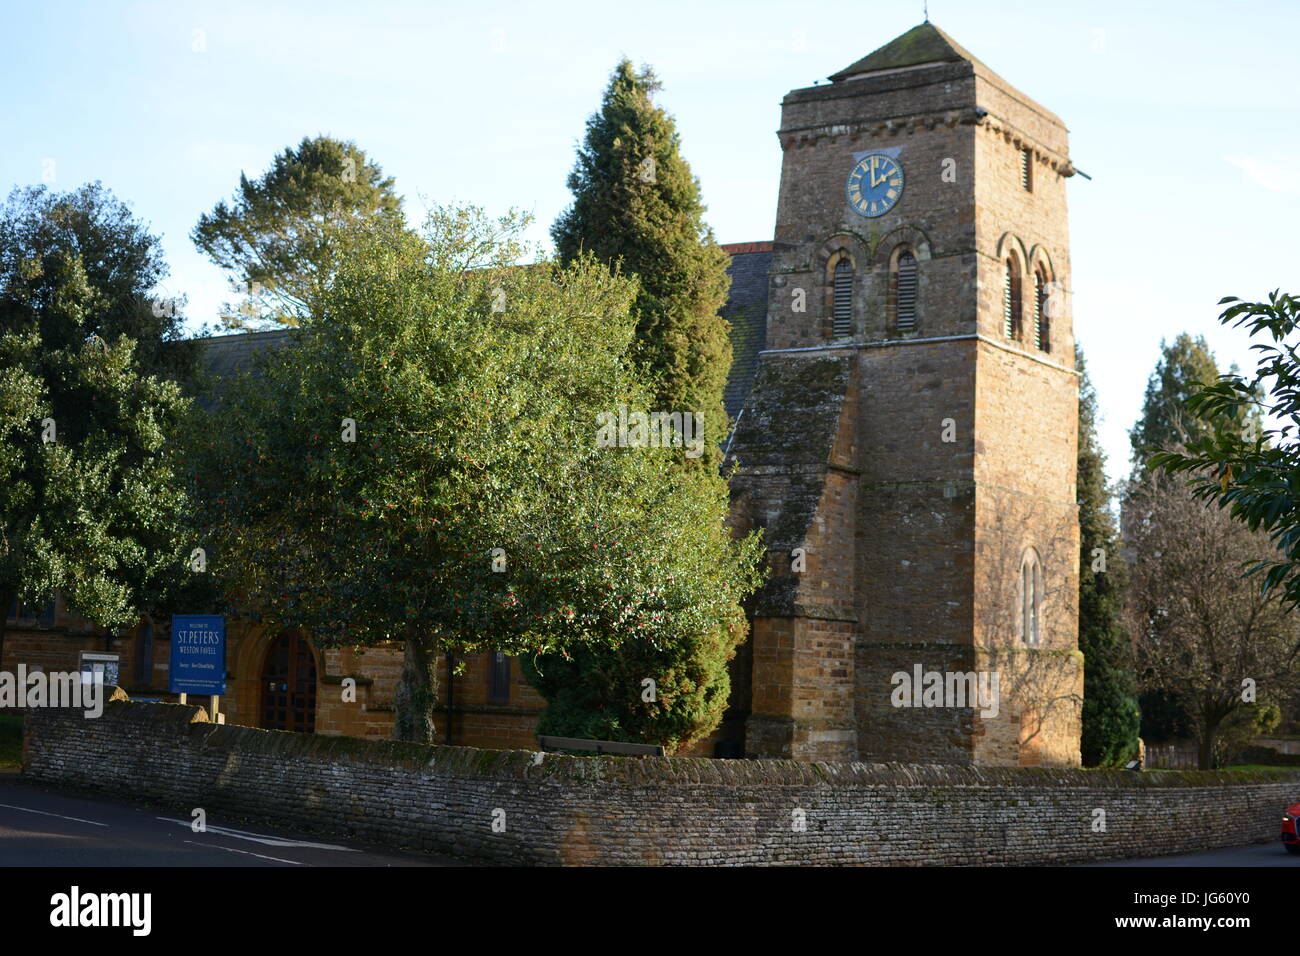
[528,765]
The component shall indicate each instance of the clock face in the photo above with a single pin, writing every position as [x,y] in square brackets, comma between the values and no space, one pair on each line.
[875,185]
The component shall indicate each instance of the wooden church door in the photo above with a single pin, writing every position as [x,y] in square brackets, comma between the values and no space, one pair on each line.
[289,685]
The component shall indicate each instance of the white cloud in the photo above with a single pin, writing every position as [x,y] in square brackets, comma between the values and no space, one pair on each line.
[1279,176]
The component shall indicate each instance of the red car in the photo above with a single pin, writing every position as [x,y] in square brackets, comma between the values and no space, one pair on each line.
[1290,833]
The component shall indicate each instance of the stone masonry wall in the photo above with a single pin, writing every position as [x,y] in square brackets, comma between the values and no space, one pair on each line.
[619,811]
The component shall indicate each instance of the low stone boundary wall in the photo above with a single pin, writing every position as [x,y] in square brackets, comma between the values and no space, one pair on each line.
[522,807]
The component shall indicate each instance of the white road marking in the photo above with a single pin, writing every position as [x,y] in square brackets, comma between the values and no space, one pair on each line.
[231,849]
[10,806]
[262,838]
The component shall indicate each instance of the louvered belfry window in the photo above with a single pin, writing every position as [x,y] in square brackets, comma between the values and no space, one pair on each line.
[1027,170]
[842,307]
[1038,309]
[1042,322]
[1011,301]
[905,292]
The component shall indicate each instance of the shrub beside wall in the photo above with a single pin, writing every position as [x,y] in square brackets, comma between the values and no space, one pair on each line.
[616,810]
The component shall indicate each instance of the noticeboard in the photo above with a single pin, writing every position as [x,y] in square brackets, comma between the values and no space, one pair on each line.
[198,657]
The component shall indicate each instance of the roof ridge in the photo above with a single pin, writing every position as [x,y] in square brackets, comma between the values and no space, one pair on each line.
[741,248]
[924,43]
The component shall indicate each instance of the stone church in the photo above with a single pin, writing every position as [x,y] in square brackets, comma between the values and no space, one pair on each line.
[906,408]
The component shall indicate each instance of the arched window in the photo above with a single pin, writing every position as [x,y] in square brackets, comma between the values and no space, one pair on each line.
[905,292]
[498,677]
[1042,317]
[1029,600]
[842,300]
[1011,300]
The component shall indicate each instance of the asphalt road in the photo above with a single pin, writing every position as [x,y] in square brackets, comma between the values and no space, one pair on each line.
[43,827]
[1259,854]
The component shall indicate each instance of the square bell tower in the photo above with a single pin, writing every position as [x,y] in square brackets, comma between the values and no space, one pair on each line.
[910,444]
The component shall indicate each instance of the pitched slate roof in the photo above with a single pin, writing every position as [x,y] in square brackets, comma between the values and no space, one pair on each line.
[921,44]
[222,355]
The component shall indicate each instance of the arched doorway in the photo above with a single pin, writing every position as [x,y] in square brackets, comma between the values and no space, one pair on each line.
[289,685]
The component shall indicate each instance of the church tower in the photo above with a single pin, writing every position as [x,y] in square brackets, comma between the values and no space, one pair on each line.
[909,444]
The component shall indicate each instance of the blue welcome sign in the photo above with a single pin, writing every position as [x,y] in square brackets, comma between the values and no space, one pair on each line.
[198,658]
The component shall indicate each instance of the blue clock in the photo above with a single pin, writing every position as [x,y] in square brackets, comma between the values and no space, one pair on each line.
[875,185]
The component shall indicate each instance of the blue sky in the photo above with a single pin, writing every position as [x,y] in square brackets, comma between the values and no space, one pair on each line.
[1185,114]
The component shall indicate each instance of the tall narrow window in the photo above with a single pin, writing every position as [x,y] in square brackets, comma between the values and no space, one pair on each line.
[144,656]
[905,292]
[498,678]
[1042,317]
[1027,170]
[842,307]
[1029,591]
[1011,300]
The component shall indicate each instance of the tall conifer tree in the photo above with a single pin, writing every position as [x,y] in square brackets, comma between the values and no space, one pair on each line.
[1110,706]
[1184,366]
[637,207]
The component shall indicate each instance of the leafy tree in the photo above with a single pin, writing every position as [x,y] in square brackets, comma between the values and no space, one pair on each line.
[475,508]
[1242,728]
[89,503]
[121,260]
[1110,708]
[1205,630]
[1253,471]
[672,687]
[636,206]
[283,235]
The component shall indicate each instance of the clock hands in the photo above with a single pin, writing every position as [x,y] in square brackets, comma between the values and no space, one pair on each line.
[874,165]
